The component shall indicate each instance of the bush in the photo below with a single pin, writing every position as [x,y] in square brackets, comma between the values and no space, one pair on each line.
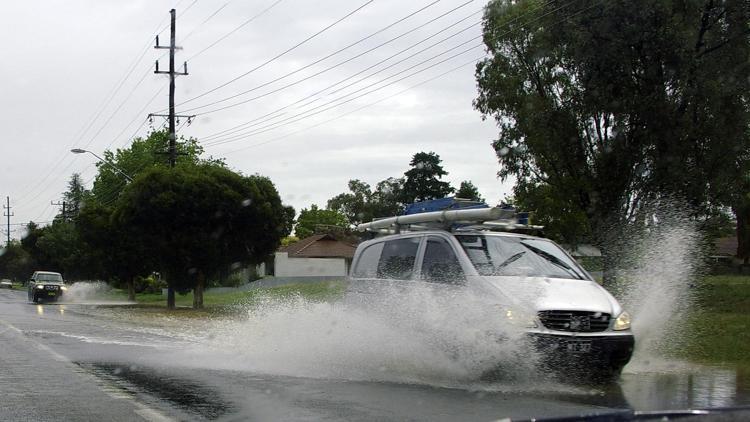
[149,284]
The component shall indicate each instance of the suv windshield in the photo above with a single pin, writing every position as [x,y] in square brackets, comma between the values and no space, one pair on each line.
[518,256]
[48,277]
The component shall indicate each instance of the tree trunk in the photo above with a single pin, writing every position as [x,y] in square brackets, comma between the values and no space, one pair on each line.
[198,291]
[742,215]
[170,298]
[131,289]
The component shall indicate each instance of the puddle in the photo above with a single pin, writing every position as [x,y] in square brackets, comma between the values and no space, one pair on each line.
[195,399]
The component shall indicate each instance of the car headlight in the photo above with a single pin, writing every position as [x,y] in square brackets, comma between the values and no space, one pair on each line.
[63,288]
[524,319]
[39,286]
[622,322]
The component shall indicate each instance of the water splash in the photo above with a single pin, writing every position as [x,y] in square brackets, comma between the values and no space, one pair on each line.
[86,291]
[655,285]
[414,335]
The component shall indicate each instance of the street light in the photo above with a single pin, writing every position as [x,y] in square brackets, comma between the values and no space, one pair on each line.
[83,151]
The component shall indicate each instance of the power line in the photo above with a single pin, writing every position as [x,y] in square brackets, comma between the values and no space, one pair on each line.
[362,71]
[185,38]
[265,118]
[283,53]
[507,32]
[306,114]
[243,24]
[95,116]
[306,129]
[335,53]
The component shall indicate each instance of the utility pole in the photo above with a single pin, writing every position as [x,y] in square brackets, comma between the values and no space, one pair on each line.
[9,215]
[63,204]
[172,151]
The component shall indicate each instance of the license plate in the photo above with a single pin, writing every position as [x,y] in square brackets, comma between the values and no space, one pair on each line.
[578,346]
[51,293]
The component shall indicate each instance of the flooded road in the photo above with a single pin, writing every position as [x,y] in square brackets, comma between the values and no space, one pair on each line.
[180,374]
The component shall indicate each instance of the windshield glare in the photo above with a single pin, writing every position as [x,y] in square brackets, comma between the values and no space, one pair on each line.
[518,256]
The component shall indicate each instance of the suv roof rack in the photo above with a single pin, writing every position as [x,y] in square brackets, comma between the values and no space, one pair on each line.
[453,214]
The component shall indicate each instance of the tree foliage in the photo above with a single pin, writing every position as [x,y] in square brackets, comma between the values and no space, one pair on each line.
[422,181]
[362,204]
[604,106]
[467,190]
[15,262]
[315,220]
[196,220]
[141,155]
[74,197]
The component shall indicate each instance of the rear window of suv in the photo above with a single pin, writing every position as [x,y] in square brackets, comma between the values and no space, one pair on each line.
[392,259]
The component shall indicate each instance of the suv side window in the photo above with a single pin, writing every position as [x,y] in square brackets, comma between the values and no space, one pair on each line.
[367,264]
[440,264]
[397,259]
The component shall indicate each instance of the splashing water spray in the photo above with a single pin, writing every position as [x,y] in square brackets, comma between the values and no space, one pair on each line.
[655,280]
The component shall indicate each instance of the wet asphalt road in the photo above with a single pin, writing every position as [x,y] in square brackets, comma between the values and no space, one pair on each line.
[57,363]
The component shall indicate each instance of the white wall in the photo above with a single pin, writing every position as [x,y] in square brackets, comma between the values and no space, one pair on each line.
[308,267]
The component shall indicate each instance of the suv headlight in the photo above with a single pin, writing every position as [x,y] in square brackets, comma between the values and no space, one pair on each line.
[622,322]
[524,319]
[63,288]
[39,286]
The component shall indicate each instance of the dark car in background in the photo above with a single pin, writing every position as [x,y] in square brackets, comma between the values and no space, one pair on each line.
[45,286]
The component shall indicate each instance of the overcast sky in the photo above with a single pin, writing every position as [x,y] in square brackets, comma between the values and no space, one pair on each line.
[67,83]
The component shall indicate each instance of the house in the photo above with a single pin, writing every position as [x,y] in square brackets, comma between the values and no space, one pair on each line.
[320,256]
[725,247]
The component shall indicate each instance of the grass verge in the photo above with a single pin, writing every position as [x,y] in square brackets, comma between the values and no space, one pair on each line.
[720,326]
[216,302]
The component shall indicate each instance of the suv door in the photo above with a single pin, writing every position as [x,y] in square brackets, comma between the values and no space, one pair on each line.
[440,263]
[398,258]
[383,264]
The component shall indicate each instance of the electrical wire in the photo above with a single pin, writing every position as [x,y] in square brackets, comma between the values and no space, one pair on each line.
[243,24]
[335,53]
[283,53]
[265,118]
[308,128]
[366,69]
[322,108]
[507,32]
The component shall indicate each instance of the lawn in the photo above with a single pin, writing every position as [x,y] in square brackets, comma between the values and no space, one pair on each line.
[720,326]
[225,302]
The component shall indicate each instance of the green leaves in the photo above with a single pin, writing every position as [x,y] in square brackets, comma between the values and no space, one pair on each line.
[604,106]
[199,219]
[315,220]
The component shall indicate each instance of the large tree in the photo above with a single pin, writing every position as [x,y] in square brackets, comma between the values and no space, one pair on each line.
[606,106]
[141,155]
[118,251]
[315,220]
[198,219]
[362,204]
[422,180]
[15,262]
[73,198]
[468,190]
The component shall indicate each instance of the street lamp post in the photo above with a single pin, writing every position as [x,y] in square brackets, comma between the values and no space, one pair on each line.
[83,151]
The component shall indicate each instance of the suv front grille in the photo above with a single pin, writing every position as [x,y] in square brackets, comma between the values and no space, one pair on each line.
[577,321]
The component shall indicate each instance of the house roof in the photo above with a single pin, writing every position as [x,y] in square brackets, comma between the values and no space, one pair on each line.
[725,246]
[319,246]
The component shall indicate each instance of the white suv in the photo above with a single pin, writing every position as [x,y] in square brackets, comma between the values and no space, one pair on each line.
[576,322]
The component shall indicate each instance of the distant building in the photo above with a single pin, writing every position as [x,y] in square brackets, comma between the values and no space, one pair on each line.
[315,257]
[725,247]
